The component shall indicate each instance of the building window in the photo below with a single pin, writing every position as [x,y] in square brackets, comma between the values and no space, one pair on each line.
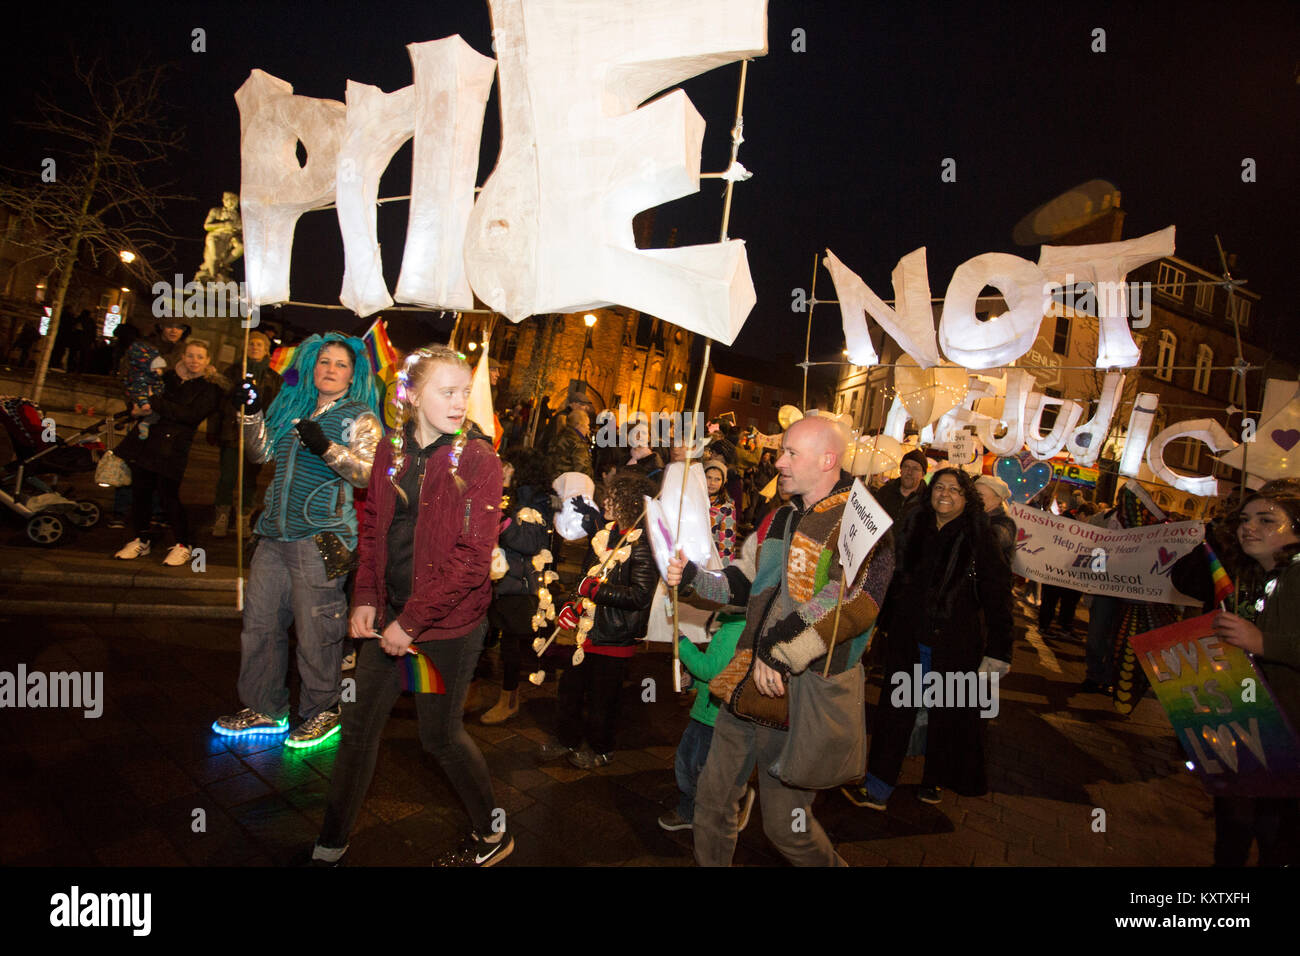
[1205,297]
[776,399]
[1238,310]
[1204,359]
[1165,353]
[1237,390]
[510,347]
[1171,281]
[735,391]
[1061,338]
[1191,455]
[757,397]
[1048,420]
[839,403]
[853,402]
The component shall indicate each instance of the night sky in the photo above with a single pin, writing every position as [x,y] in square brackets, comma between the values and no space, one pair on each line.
[845,140]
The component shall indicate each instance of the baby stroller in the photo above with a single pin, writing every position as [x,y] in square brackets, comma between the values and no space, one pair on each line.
[47,513]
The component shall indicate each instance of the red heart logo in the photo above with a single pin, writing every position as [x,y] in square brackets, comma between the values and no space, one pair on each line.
[1165,556]
[1021,534]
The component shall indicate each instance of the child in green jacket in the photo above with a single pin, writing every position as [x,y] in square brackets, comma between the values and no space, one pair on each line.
[693,749]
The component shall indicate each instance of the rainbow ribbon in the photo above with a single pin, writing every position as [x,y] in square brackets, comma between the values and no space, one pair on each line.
[419,675]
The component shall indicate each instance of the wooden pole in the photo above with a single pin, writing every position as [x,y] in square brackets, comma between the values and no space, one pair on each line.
[807,339]
[704,368]
[238,507]
[835,628]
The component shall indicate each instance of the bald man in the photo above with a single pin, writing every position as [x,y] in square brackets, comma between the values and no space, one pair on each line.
[788,620]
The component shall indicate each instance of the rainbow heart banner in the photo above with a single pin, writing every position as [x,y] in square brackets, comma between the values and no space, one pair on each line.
[419,675]
[1224,715]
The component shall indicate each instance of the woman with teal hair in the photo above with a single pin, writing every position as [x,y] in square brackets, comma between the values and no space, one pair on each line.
[321,431]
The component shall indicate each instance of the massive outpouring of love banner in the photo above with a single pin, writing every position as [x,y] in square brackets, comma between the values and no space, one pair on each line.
[1129,563]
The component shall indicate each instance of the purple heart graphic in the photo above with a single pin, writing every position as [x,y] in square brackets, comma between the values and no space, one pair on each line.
[1285,439]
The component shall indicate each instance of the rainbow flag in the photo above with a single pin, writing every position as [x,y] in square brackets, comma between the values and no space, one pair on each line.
[380,349]
[282,358]
[1222,583]
[419,676]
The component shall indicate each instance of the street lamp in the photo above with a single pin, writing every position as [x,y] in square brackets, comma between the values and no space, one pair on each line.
[127,256]
[677,387]
[590,321]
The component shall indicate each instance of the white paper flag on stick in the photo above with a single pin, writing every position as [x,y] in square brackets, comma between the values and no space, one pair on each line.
[480,397]
[695,538]
[863,524]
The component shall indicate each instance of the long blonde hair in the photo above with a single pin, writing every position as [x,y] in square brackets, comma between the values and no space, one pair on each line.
[410,381]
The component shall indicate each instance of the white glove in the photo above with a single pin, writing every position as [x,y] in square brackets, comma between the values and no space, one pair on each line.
[991,665]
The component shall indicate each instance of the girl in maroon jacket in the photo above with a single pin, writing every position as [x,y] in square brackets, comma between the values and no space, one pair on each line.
[431,517]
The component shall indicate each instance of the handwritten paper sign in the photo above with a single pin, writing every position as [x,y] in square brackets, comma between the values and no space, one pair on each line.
[861,527]
[961,448]
[1222,711]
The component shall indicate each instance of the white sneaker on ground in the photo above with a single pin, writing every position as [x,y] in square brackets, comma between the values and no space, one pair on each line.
[177,556]
[136,549]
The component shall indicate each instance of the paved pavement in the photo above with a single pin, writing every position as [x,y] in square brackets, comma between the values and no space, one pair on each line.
[127,787]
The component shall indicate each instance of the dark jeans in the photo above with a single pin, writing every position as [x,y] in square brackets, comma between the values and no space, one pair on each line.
[1240,821]
[145,484]
[692,753]
[597,682]
[1048,599]
[442,733]
[513,614]
[1103,618]
[225,493]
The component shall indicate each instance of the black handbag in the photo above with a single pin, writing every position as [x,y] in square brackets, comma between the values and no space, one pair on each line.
[827,742]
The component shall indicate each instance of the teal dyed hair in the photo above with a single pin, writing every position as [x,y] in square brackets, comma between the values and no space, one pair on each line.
[299,400]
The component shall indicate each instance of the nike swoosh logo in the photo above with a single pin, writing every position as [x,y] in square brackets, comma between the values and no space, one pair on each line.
[485,856]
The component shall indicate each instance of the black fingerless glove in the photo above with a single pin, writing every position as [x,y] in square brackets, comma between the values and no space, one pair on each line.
[247,397]
[312,437]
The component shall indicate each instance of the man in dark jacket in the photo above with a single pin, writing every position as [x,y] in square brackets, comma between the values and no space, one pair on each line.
[571,450]
[616,602]
[898,493]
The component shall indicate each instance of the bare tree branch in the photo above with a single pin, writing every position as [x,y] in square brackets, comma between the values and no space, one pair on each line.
[103,198]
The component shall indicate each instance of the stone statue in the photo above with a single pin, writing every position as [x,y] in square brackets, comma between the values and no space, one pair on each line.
[224,243]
